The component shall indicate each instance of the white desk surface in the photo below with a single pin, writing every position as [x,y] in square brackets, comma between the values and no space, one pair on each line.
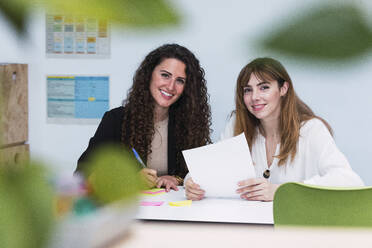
[207,210]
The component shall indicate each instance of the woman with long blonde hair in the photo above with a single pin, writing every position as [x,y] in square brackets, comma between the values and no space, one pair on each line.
[288,142]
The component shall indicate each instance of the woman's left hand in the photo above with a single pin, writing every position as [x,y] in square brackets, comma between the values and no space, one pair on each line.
[168,182]
[257,189]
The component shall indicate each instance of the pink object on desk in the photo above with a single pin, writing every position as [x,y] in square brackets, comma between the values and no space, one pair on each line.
[151,203]
[153,191]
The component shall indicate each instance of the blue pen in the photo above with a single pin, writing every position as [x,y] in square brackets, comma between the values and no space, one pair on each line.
[138,158]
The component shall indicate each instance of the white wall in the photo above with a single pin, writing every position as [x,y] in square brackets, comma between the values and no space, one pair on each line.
[221,34]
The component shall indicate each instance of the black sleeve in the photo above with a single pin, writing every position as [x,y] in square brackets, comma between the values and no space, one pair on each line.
[108,132]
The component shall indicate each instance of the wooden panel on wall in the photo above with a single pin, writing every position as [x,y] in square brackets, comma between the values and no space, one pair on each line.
[14,103]
[14,155]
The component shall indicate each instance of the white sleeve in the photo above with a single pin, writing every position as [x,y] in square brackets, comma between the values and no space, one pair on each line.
[333,167]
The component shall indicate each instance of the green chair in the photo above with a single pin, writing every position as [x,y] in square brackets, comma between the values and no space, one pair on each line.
[299,204]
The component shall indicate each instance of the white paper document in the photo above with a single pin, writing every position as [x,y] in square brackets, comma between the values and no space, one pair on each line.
[218,167]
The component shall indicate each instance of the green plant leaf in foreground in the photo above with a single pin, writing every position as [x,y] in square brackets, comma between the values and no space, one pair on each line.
[130,13]
[113,175]
[16,13]
[327,33]
[12,218]
[133,13]
[26,207]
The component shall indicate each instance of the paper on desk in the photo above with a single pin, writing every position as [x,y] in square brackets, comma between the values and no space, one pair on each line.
[218,167]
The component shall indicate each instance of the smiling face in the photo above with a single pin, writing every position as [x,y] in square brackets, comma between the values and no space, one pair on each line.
[263,98]
[167,83]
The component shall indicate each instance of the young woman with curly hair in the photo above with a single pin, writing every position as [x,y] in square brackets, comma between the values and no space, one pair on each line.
[166,111]
[288,142]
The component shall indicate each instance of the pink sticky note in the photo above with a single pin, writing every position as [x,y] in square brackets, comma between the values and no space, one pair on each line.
[153,191]
[151,203]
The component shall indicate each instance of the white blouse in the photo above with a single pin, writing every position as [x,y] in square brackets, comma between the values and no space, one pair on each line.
[318,160]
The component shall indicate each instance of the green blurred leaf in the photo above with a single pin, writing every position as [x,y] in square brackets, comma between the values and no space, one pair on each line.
[326,33]
[12,219]
[133,13]
[26,206]
[16,12]
[130,13]
[113,175]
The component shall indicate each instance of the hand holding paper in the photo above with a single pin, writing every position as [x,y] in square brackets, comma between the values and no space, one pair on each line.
[193,190]
[218,167]
[257,189]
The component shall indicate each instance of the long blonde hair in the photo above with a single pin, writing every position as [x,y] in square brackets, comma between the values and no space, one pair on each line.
[294,112]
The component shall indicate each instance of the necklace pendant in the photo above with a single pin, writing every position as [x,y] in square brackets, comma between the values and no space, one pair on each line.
[266,173]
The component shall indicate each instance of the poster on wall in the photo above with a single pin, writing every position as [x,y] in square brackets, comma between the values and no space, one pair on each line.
[70,36]
[77,99]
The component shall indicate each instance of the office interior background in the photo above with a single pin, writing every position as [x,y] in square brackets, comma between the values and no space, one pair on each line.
[225,36]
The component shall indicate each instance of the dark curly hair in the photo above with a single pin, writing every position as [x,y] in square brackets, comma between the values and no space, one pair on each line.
[191,114]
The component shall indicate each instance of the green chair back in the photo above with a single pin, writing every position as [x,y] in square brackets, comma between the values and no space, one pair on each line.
[304,205]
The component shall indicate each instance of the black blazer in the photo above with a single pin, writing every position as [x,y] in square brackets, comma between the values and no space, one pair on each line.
[109,131]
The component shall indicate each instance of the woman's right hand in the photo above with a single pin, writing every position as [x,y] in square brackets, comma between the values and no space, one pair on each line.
[193,190]
[150,177]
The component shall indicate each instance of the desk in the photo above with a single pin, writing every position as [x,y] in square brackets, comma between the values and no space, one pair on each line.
[192,229]
[192,235]
[207,210]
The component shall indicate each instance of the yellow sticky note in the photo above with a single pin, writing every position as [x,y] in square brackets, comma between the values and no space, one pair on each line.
[181,203]
[91,99]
